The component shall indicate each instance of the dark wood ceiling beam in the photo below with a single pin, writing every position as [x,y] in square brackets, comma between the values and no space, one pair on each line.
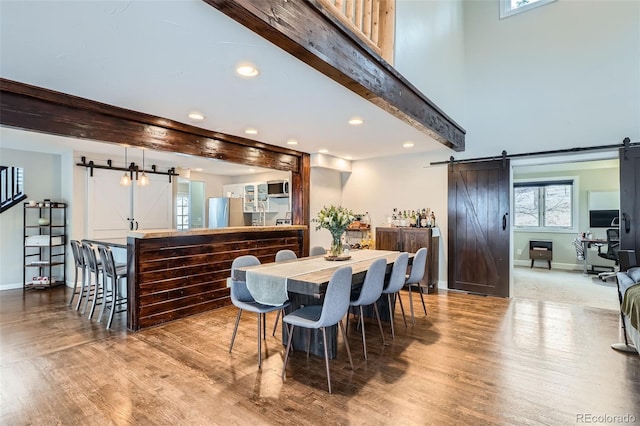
[42,110]
[310,33]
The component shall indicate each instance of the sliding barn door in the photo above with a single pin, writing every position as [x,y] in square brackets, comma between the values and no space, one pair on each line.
[108,205]
[153,204]
[630,200]
[479,227]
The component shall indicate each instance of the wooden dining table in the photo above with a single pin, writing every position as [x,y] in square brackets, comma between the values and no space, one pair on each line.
[306,281]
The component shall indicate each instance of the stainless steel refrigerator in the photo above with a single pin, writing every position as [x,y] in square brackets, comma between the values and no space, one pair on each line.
[225,212]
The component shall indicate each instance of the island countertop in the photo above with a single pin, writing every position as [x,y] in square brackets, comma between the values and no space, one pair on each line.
[164,233]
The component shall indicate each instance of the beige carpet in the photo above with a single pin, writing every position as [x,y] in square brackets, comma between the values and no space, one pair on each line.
[564,287]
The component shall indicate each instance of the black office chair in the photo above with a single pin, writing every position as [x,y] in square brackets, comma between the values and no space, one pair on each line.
[613,245]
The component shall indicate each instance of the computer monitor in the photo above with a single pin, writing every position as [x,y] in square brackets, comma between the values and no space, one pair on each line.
[603,218]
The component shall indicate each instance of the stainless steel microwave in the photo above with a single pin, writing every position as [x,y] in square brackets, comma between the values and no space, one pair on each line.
[278,188]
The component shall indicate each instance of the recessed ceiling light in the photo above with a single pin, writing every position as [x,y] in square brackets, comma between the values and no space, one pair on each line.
[292,142]
[252,170]
[408,144]
[323,151]
[348,157]
[246,70]
[356,121]
[196,115]
[251,131]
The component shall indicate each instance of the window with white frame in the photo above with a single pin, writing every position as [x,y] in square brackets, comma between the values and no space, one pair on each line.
[182,212]
[544,204]
[511,7]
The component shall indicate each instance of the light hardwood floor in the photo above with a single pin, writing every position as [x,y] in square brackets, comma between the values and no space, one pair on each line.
[473,360]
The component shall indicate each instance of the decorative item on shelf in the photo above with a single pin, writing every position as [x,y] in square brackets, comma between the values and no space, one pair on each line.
[43,221]
[336,220]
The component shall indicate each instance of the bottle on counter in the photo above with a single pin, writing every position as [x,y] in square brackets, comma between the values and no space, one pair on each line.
[433,219]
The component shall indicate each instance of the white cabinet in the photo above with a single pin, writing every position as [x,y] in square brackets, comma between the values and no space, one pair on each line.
[262,197]
[114,210]
[249,201]
[256,197]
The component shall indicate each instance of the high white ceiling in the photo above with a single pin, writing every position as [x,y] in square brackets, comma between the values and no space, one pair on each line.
[168,58]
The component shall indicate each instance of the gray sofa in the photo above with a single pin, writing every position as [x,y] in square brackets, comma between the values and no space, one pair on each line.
[629,288]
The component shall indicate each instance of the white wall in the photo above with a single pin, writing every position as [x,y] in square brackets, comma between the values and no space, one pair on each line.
[404,182]
[326,189]
[429,51]
[42,179]
[562,75]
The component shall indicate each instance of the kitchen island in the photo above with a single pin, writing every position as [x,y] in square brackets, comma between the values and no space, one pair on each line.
[175,274]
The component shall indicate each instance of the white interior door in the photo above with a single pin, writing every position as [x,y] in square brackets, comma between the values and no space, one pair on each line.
[153,204]
[108,205]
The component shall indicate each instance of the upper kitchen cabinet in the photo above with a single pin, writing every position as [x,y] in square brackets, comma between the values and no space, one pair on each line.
[256,197]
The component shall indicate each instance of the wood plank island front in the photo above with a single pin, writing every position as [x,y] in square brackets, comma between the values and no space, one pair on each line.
[176,274]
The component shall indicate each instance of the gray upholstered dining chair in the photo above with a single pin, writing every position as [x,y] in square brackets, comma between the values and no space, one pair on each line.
[242,299]
[414,278]
[281,256]
[330,313]
[369,294]
[285,254]
[317,251]
[394,285]
[112,275]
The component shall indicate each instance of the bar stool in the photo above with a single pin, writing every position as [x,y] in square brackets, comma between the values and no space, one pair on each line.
[78,260]
[111,277]
[94,291]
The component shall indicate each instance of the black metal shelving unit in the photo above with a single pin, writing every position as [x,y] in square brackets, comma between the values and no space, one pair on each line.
[44,245]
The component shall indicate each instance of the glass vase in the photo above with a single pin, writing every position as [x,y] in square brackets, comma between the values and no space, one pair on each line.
[336,243]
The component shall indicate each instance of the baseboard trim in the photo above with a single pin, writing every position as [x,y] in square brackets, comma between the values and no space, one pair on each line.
[554,265]
[15,286]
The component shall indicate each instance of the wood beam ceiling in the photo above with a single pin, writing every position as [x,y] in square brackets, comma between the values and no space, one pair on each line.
[33,108]
[308,31]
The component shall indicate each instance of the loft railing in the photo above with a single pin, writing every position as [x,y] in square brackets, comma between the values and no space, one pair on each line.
[371,20]
[11,187]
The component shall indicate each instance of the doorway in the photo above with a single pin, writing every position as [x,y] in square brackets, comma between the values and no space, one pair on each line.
[565,282]
[189,204]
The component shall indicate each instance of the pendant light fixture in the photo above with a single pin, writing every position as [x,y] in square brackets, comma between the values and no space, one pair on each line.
[125,180]
[143,180]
